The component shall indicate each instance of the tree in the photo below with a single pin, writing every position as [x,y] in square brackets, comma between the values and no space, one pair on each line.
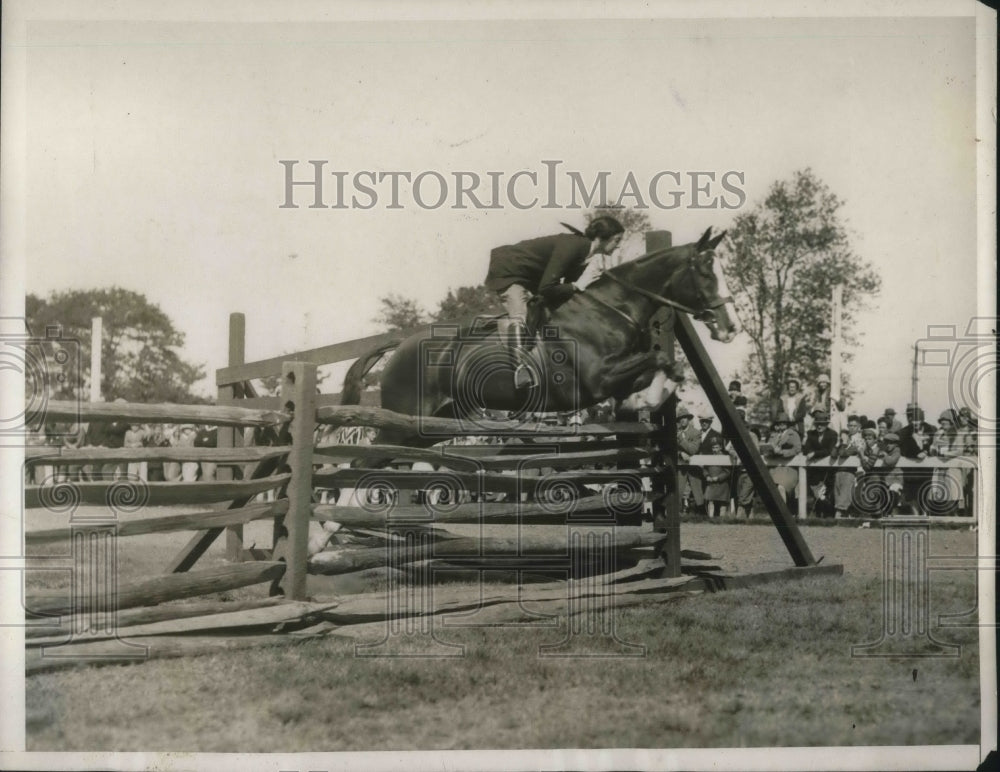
[139,345]
[399,313]
[783,259]
[468,303]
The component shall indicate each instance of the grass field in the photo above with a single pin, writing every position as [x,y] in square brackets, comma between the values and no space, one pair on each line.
[766,666]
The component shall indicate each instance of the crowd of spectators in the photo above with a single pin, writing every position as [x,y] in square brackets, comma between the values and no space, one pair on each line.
[854,459]
[120,434]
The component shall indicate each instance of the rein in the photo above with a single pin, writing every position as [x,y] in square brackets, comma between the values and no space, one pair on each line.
[662,300]
[618,311]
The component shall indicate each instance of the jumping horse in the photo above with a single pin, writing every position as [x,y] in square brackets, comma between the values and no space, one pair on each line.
[592,347]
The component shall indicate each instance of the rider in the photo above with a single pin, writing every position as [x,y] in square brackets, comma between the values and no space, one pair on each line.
[546,267]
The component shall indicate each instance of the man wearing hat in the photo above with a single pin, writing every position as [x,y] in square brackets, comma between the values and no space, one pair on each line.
[915,441]
[735,389]
[707,435]
[894,423]
[916,437]
[689,479]
[707,440]
[821,442]
[821,398]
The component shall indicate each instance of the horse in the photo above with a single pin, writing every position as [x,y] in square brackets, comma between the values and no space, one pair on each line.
[592,347]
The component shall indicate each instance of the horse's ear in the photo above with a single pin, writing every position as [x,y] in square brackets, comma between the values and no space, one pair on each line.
[713,243]
[702,244]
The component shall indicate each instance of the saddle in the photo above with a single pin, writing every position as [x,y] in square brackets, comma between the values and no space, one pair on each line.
[538,316]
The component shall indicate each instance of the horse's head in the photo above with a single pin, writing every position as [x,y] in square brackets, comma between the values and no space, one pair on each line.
[700,284]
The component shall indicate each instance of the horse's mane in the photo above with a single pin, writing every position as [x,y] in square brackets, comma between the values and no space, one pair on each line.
[638,262]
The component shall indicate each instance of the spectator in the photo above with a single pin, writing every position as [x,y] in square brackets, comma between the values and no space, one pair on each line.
[821,398]
[784,443]
[717,483]
[689,480]
[707,435]
[735,390]
[108,434]
[792,403]
[850,448]
[155,437]
[820,443]
[866,479]
[135,438]
[891,475]
[915,443]
[968,431]
[916,437]
[882,427]
[744,488]
[969,437]
[894,423]
[72,437]
[185,439]
[948,483]
[39,474]
[171,469]
[207,438]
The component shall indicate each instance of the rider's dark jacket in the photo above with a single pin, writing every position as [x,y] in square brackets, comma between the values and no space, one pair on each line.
[540,264]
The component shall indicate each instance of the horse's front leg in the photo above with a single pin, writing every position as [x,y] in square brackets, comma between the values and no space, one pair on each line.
[644,372]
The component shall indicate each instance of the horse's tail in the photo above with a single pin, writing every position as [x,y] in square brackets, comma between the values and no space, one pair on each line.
[354,379]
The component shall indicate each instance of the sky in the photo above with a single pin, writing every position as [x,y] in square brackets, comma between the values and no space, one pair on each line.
[152,157]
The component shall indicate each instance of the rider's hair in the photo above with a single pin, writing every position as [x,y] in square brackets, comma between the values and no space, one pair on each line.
[603,227]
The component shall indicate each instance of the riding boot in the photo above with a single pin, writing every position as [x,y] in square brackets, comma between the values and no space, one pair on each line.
[524,375]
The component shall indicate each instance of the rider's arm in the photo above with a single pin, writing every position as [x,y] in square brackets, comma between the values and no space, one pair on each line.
[567,258]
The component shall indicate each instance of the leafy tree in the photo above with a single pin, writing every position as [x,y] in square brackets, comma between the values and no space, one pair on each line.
[399,313]
[784,257]
[139,345]
[468,303]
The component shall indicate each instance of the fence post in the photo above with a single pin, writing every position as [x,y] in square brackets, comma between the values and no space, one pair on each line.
[802,492]
[228,436]
[298,396]
[666,497]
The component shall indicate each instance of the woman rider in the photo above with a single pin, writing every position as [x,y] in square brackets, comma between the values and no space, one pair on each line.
[546,267]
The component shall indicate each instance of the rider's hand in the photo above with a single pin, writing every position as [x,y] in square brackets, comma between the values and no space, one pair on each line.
[560,293]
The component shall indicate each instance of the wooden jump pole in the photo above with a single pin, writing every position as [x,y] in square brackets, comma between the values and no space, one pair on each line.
[666,499]
[735,428]
[229,437]
[298,396]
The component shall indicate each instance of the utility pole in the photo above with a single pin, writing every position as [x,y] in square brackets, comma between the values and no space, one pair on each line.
[835,342]
[96,331]
[913,377]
